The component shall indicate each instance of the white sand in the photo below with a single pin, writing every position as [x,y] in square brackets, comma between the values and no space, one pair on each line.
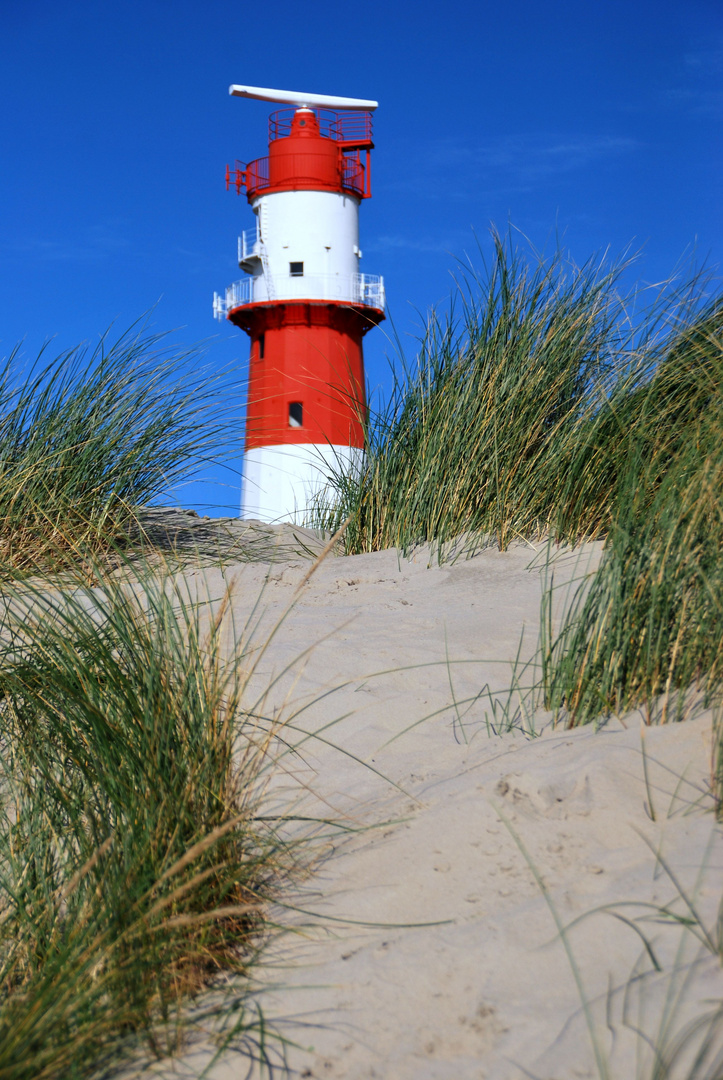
[488,991]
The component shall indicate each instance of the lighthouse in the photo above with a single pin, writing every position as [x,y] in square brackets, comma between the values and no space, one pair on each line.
[305,302]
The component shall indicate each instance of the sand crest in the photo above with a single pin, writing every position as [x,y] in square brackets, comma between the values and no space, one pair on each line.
[431,952]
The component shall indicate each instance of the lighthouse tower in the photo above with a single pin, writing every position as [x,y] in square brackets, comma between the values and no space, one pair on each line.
[305,303]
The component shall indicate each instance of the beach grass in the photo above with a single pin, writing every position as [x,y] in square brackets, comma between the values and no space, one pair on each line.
[134,869]
[512,420]
[549,404]
[89,436]
[647,630]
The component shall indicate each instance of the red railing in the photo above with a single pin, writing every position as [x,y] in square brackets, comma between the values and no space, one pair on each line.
[257,175]
[352,175]
[352,128]
[254,176]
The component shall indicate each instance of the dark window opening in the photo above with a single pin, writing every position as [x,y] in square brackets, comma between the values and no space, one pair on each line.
[296,269]
[296,414]
[262,346]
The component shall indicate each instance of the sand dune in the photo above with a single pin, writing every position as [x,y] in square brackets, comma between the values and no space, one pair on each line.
[431,951]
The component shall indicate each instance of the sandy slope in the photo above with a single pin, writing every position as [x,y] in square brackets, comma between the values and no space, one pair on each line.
[403,651]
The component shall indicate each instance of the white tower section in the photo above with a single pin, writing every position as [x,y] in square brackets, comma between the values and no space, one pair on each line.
[316,233]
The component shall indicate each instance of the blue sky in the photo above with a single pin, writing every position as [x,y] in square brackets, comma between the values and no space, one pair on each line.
[599,121]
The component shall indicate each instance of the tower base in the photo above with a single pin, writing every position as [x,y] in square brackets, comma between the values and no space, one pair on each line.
[281,482]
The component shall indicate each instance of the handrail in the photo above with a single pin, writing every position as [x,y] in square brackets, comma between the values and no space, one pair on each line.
[248,245]
[366,289]
[254,176]
[348,127]
[353,174]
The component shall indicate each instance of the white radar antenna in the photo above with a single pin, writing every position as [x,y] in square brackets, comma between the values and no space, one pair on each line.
[302,101]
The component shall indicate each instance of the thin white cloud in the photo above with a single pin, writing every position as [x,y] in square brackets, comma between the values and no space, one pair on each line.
[697,90]
[96,243]
[407,243]
[698,102]
[705,61]
[510,163]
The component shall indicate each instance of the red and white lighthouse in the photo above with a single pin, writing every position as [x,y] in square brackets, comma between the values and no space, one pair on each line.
[306,305]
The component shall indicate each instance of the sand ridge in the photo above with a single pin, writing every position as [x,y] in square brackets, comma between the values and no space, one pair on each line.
[431,951]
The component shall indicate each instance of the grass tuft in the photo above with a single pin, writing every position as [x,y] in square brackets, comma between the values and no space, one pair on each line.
[648,628]
[510,422]
[90,436]
[133,865]
[549,405]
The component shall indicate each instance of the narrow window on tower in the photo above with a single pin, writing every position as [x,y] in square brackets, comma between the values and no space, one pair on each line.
[296,414]
[262,345]
[296,269]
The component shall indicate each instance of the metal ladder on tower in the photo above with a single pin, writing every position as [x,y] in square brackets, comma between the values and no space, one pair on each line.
[263,214]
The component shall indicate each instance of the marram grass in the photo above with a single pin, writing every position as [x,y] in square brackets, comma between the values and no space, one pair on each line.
[485,433]
[133,866]
[90,436]
[551,406]
[520,413]
[648,628]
